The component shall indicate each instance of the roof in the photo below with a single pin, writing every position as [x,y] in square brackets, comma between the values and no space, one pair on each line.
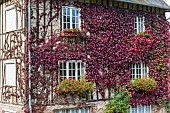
[153,3]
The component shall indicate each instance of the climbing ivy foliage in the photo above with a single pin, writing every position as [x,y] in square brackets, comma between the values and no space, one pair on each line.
[109,51]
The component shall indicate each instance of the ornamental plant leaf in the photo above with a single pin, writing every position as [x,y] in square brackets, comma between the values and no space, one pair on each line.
[144,84]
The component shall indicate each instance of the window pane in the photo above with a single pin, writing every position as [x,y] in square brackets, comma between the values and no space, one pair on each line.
[74,26]
[148,109]
[74,65]
[77,20]
[68,18]
[73,12]
[77,13]
[65,25]
[68,25]
[68,11]
[64,18]
[73,20]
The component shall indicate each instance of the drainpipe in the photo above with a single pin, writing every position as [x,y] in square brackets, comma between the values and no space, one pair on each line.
[29,55]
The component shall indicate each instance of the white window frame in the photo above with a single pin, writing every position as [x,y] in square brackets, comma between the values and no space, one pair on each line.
[71,22]
[136,70]
[73,110]
[14,25]
[139,107]
[81,69]
[139,24]
[7,82]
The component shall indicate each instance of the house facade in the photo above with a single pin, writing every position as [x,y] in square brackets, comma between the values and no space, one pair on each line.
[97,39]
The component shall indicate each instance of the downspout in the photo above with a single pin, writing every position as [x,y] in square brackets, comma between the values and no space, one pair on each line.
[29,55]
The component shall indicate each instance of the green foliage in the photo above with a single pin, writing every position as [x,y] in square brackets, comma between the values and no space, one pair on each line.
[144,84]
[120,102]
[168,107]
[143,34]
[75,87]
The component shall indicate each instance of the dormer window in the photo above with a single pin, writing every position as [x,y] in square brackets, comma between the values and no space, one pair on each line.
[70,17]
[139,24]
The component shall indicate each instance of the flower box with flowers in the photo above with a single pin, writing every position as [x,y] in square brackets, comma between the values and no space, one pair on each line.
[144,84]
[75,32]
[71,89]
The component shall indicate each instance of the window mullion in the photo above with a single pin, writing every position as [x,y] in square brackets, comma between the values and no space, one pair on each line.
[67,69]
[71,24]
[147,71]
[135,71]
[79,15]
[62,18]
[142,76]
[143,23]
[76,71]
[137,25]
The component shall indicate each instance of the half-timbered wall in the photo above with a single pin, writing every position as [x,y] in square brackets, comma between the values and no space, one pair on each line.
[12,49]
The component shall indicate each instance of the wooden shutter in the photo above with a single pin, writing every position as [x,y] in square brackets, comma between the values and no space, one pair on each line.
[10,74]
[11,19]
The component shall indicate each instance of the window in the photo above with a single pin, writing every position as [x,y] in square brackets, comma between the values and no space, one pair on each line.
[139,24]
[73,110]
[139,71]
[140,109]
[71,69]
[70,17]
[10,72]
[10,19]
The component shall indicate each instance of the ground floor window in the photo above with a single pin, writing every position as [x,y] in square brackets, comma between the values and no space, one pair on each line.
[140,70]
[140,109]
[73,69]
[73,110]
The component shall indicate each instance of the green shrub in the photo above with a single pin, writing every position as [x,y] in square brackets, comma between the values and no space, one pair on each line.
[120,102]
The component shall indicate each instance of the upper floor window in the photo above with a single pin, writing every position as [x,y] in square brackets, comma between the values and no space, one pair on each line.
[139,24]
[11,18]
[140,109]
[139,71]
[70,17]
[71,69]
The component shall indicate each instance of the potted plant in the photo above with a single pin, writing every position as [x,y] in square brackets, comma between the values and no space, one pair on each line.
[75,32]
[144,84]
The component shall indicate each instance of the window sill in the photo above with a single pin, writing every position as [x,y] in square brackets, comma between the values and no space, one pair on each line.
[72,34]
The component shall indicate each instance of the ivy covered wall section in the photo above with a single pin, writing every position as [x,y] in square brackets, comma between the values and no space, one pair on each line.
[108,52]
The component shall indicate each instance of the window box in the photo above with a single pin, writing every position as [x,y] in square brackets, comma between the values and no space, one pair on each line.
[74,91]
[75,88]
[144,84]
